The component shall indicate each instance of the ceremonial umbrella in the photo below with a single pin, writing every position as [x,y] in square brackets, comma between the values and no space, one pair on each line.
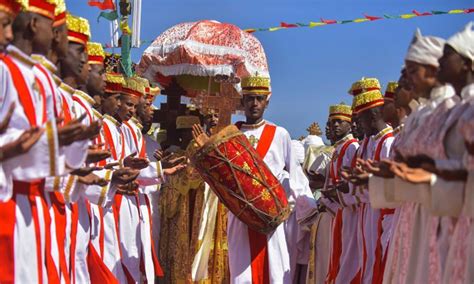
[195,53]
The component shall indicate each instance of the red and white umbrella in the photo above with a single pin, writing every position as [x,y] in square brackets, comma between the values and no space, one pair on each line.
[202,50]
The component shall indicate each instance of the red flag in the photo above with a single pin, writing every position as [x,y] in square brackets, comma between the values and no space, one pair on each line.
[105,5]
[286,25]
[421,14]
[328,22]
[470,10]
[372,18]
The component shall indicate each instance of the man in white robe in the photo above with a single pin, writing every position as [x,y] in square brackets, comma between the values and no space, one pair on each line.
[280,246]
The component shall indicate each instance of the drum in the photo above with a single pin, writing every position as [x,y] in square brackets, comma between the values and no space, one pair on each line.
[242,180]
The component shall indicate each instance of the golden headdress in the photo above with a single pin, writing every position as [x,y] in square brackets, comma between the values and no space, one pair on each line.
[59,13]
[340,111]
[367,100]
[390,90]
[78,29]
[133,86]
[96,53]
[256,85]
[114,82]
[10,6]
[41,7]
[364,85]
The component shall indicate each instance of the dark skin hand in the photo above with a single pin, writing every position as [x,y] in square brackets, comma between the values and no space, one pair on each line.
[420,175]
[316,181]
[356,176]
[170,160]
[22,145]
[125,175]
[91,131]
[417,161]
[92,179]
[6,121]
[128,189]
[85,171]
[95,154]
[377,168]
[70,132]
[135,163]
[199,135]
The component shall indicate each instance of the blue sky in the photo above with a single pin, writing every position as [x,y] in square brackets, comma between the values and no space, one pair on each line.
[310,68]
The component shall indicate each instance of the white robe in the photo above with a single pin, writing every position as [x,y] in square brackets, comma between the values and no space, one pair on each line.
[282,246]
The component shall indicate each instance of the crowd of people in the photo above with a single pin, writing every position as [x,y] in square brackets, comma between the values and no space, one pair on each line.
[91,192]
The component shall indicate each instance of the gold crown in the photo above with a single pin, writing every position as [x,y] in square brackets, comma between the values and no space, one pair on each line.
[10,6]
[367,100]
[153,91]
[256,85]
[314,129]
[364,84]
[60,7]
[114,78]
[96,53]
[43,7]
[391,87]
[340,111]
[186,121]
[78,29]
[134,86]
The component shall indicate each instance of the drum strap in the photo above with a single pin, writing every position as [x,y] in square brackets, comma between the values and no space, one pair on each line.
[258,241]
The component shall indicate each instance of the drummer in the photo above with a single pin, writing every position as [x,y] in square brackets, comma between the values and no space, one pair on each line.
[250,251]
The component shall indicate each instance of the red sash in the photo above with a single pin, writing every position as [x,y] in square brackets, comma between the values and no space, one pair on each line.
[24,94]
[258,242]
[335,174]
[79,101]
[110,143]
[66,110]
[141,150]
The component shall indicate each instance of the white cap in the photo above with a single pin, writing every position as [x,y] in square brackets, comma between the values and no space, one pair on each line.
[425,49]
[463,42]
[312,140]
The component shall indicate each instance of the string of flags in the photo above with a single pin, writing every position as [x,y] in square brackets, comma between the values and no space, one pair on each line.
[366,18]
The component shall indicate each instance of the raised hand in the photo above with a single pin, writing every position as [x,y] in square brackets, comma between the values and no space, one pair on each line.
[199,135]
[135,163]
[91,131]
[21,145]
[6,120]
[92,179]
[158,155]
[125,175]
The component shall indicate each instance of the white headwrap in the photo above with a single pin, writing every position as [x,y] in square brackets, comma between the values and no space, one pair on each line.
[425,49]
[463,41]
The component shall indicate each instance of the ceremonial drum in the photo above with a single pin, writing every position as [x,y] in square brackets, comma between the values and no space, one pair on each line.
[242,180]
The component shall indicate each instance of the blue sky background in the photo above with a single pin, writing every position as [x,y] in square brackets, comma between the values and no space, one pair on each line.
[310,68]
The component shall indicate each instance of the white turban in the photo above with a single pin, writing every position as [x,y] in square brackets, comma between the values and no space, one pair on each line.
[463,42]
[298,150]
[425,49]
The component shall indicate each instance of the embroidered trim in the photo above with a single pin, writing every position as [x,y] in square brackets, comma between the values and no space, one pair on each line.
[52,148]
[104,189]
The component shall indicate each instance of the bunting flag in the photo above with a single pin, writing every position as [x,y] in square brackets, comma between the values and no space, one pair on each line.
[366,18]
[103,5]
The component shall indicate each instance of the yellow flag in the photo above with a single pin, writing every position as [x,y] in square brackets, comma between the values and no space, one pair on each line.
[316,24]
[407,16]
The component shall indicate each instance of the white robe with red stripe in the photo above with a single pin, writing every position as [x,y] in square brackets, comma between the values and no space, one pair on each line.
[343,263]
[282,244]
[25,237]
[136,230]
